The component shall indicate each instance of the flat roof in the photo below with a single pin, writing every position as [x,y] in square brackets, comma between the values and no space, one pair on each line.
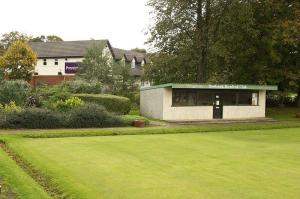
[215,86]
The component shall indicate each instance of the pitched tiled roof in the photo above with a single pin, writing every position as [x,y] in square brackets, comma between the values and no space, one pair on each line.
[64,48]
[128,54]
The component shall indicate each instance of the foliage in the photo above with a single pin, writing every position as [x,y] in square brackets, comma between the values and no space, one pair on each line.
[18,61]
[112,103]
[129,119]
[8,39]
[17,91]
[183,30]
[10,108]
[68,104]
[33,118]
[124,83]
[96,65]
[91,116]
[53,38]
[280,99]
[82,86]
[114,76]
[244,42]
[49,38]
[51,94]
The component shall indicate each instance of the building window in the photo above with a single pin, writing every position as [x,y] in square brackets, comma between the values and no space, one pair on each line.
[133,64]
[191,97]
[182,97]
[247,98]
[56,62]
[45,62]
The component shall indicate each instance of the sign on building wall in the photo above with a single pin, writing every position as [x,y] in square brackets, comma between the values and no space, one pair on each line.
[71,67]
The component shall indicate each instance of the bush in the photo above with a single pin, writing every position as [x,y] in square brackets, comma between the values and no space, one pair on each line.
[16,91]
[81,86]
[92,115]
[112,103]
[280,99]
[10,108]
[129,119]
[68,104]
[51,94]
[32,118]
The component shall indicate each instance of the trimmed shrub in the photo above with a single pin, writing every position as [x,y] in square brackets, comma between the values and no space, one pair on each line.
[52,94]
[129,119]
[112,103]
[16,91]
[32,118]
[81,86]
[92,115]
[10,108]
[68,104]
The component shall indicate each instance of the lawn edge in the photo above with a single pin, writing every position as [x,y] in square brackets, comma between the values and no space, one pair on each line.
[159,130]
[44,181]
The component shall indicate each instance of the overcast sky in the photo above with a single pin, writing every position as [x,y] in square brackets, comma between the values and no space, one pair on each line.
[123,22]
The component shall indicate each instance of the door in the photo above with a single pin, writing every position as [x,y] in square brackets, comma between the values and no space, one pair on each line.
[218,107]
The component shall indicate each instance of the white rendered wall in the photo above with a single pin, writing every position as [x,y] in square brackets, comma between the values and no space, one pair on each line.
[244,112]
[151,103]
[157,103]
[52,69]
[185,113]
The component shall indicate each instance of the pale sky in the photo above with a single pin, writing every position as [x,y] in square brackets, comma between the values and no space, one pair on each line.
[123,22]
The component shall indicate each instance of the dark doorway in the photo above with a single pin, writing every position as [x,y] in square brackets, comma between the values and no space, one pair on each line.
[218,107]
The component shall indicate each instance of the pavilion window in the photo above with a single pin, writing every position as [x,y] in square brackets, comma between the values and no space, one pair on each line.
[193,97]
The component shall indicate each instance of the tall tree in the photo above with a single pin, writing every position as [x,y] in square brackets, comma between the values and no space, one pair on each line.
[96,65]
[184,29]
[18,61]
[49,38]
[53,38]
[8,38]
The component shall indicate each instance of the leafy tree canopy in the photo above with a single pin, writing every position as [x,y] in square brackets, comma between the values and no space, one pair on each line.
[18,61]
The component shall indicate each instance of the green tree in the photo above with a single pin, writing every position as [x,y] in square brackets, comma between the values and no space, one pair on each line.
[184,29]
[123,82]
[9,38]
[53,38]
[43,38]
[18,61]
[96,65]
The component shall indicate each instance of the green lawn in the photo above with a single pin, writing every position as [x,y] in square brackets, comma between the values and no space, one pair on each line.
[239,164]
[21,184]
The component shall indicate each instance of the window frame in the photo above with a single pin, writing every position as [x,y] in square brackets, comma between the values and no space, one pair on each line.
[211,92]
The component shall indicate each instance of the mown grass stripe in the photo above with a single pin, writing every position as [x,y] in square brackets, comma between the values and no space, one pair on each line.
[36,175]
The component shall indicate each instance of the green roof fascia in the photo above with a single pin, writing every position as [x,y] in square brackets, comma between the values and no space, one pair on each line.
[157,86]
[215,86]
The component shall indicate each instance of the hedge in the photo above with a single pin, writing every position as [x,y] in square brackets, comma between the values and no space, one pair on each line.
[92,116]
[32,118]
[86,116]
[112,103]
[129,119]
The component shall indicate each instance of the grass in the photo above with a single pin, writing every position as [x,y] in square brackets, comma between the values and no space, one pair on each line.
[283,113]
[21,184]
[240,164]
[218,164]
